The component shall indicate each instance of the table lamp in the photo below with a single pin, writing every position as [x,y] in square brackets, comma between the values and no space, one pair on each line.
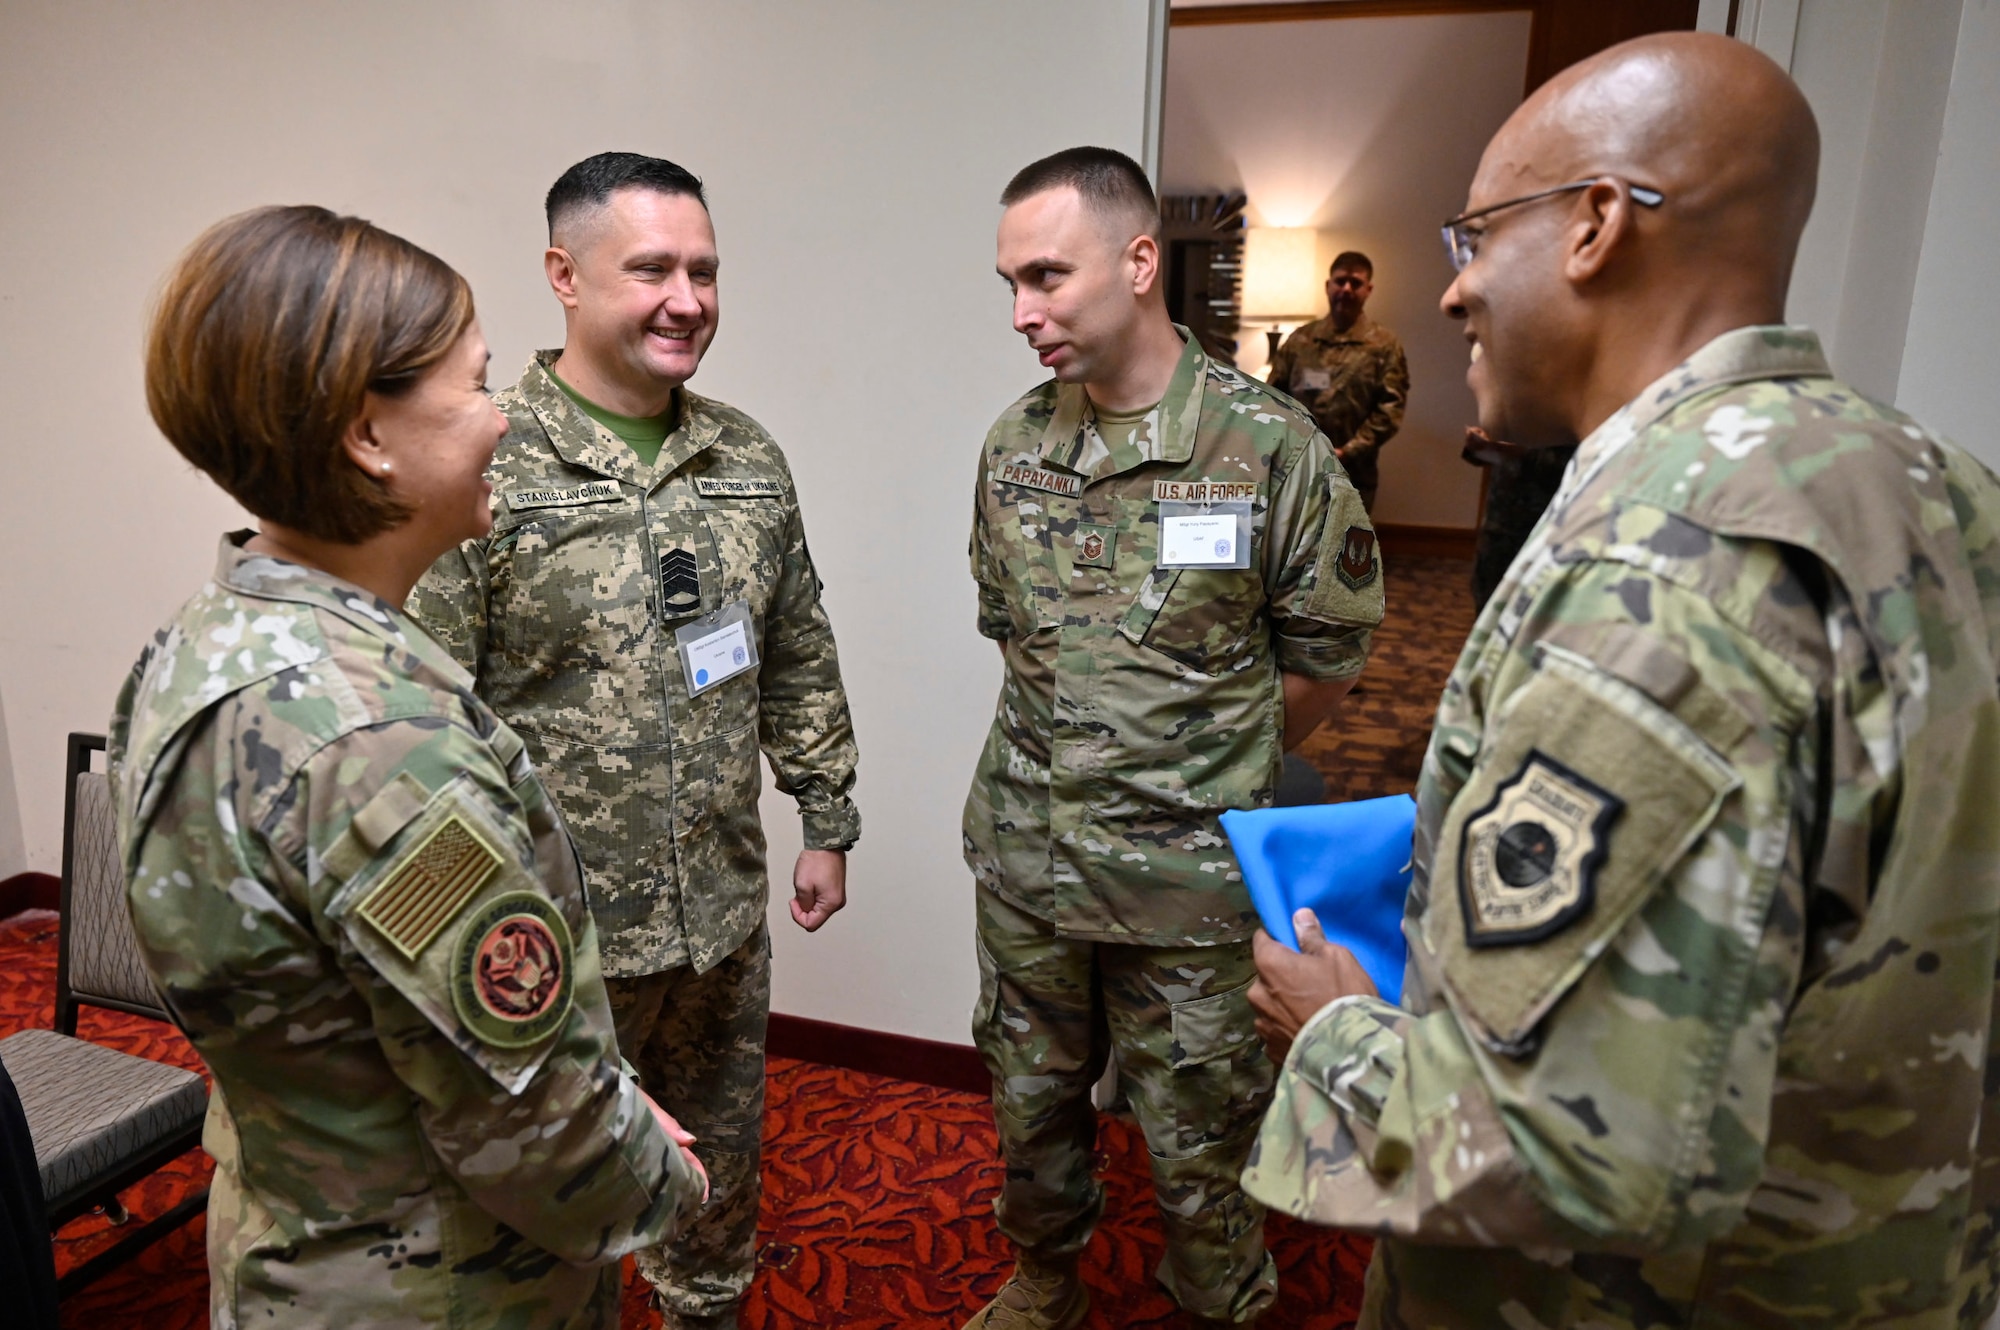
[1282,282]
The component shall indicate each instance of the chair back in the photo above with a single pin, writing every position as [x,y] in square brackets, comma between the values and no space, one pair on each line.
[99,960]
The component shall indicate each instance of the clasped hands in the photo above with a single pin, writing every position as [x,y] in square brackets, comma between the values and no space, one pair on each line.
[1293,986]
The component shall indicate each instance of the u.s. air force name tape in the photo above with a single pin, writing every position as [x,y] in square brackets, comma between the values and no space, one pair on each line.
[1203,491]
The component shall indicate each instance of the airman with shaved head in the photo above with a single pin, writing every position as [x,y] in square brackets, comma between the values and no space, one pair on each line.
[1699,1016]
[1182,583]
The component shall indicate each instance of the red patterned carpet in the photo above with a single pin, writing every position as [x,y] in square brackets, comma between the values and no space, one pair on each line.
[877,1192]
[877,1203]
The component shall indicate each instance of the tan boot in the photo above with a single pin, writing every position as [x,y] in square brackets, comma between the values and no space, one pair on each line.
[1037,1296]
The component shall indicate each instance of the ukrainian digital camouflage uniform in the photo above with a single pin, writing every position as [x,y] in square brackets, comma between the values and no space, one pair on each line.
[1355,383]
[1703,931]
[1138,703]
[566,614]
[362,908]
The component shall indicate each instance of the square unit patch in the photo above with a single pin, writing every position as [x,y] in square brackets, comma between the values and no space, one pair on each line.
[1530,858]
[431,884]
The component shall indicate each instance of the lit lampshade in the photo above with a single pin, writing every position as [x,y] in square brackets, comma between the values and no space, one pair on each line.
[1281,276]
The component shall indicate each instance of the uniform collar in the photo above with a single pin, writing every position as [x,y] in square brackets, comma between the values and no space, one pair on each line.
[1742,355]
[267,577]
[1321,329]
[1179,411]
[582,442]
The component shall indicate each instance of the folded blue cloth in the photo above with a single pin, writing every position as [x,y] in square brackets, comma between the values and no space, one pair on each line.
[1350,863]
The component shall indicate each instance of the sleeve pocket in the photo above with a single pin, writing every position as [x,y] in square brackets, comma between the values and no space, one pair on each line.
[1588,796]
[1347,576]
[447,914]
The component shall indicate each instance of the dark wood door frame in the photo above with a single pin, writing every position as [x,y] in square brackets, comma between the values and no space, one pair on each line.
[1555,38]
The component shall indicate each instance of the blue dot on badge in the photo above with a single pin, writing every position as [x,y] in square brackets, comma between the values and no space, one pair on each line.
[737,656]
[1222,548]
[700,677]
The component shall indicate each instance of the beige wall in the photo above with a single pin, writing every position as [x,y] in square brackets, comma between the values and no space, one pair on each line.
[1950,373]
[854,153]
[1370,129]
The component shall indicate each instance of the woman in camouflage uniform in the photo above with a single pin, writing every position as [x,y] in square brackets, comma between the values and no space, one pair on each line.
[345,876]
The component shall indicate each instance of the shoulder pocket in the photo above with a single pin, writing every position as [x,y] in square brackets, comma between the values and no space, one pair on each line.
[1347,575]
[1588,796]
[446,912]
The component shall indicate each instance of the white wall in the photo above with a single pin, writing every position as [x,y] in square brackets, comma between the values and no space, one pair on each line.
[1877,75]
[1370,129]
[854,153]
[1950,368]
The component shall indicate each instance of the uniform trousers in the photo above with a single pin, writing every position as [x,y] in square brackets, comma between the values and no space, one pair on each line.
[697,1042]
[1050,1012]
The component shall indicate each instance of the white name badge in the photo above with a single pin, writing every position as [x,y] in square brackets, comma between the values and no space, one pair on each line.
[716,647]
[1206,540]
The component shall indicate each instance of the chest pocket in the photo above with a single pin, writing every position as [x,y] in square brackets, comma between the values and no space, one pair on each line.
[746,535]
[571,588]
[1203,618]
[1025,526]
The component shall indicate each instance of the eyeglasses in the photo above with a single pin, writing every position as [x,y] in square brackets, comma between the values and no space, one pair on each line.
[1463,245]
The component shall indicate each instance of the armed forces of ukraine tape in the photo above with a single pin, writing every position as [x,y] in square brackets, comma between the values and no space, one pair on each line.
[512,970]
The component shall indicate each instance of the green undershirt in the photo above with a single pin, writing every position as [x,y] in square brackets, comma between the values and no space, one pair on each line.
[644,435]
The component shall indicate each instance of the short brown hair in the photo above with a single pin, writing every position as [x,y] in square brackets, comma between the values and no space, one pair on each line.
[1354,261]
[267,337]
[1108,181]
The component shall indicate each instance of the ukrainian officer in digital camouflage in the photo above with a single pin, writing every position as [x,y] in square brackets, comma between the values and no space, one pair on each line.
[1182,583]
[646,613]
[1349,371]
[1707,902]
[344,876]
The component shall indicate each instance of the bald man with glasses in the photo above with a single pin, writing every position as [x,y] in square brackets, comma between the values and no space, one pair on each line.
[1698,1026]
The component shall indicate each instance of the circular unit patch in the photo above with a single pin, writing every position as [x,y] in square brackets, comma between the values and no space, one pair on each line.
[512,970]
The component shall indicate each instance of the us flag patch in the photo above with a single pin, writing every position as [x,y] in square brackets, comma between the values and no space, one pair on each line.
[433,882]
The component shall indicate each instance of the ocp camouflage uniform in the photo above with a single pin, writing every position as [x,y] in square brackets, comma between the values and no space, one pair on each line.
[566,614]
[1355,383]
[360,905]
[1703,931]
[1139,702]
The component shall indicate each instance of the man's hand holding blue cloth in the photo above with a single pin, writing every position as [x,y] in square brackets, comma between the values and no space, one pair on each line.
[1292,986]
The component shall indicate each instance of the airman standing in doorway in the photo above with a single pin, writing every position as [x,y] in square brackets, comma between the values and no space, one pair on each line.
[1349,371]
[646,615]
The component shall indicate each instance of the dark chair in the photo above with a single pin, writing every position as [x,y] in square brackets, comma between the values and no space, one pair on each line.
[101,1120]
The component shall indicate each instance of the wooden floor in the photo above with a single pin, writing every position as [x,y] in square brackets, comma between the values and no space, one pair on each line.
[1374,744]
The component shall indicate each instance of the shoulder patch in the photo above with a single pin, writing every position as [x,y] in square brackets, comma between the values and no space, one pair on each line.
[1356,565]
[1346,581]
[1529,859]
[421,894]
[513,970]
[597,491]
[738,487]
